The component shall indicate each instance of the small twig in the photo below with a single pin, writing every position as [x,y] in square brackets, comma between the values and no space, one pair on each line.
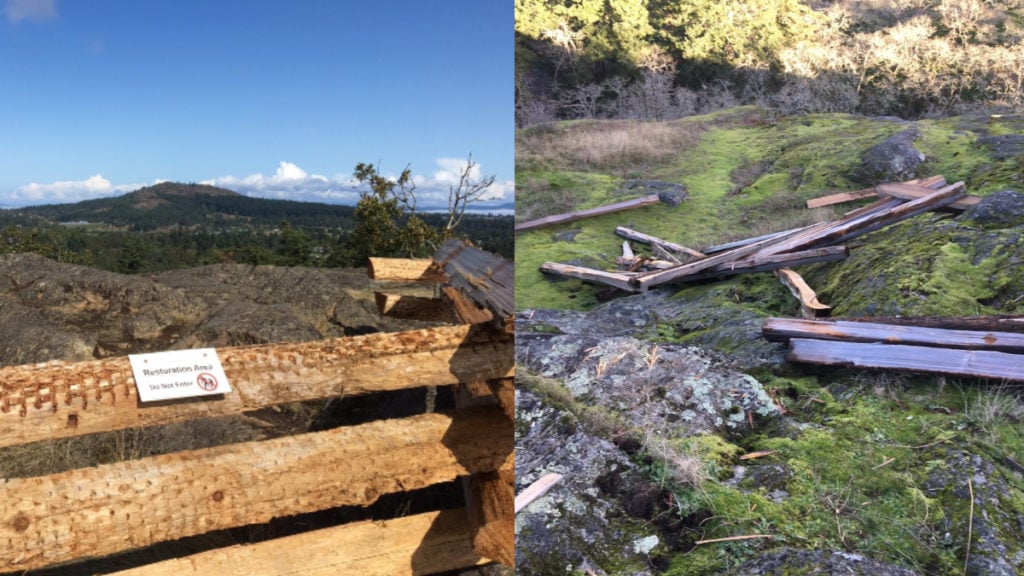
[886,463]
[970,525]
[758,454]
[732,538]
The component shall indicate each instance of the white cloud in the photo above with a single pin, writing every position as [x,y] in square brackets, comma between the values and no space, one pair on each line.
[34,10]
[291,182]
[67,191]
[288,182]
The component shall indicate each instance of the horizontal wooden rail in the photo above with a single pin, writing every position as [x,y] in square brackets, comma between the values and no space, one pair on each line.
[59,399]
[116,507]
[423,544]
[588,213]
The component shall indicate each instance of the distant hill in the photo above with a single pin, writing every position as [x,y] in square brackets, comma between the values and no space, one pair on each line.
[171,204]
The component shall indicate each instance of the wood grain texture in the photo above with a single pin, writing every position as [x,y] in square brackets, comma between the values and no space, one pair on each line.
[810,307]
[589,213]
[62,399]
[417,545]
[405,270]
[484,278]
[908,191]
[111,508]
[781,329]
[631,234]
[952,362]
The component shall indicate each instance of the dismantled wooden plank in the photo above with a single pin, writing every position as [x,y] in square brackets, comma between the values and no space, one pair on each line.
[664,254]
[536,490]
[781,329]
[62,399]
[486,278]
[849,228]
[504,390]
[627,252]
[841,197]
[770,262]
[949,361]
[115,507]
[616,279]
[745,241]
[631,234]
[412,307]
[427,543]
[810,307]
[934,182]
[588,213]
[999,323]
[651,279]
[905,191]
[405,270]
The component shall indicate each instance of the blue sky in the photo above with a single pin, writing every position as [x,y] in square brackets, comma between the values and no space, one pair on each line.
[269,98]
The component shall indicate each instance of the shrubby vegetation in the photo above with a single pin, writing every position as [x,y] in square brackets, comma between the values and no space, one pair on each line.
[661,59]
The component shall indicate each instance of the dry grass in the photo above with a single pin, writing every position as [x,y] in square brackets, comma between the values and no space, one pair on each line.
[684,466]
[616,147]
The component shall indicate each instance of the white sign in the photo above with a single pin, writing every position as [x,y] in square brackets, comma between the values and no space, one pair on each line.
[178,374]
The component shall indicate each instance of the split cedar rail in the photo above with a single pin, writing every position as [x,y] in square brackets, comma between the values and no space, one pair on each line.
[972,353]
[113,508]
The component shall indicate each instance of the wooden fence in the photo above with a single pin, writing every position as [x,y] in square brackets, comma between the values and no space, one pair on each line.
[112,508]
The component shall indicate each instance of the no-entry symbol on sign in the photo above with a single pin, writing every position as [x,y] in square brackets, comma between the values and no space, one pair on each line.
[207,381]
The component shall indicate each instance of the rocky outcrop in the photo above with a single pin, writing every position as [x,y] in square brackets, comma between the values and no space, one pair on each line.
[894,160]
[50,310]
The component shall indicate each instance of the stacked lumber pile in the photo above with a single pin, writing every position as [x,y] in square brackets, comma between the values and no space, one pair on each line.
[820,242]
[949,351]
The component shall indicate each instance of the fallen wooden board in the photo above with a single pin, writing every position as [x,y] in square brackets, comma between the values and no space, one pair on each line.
[841,197]
[115,507]
[63,399]
[631,234]
[465,310]
[405,270]
[536,490]
[809,304]
[427,543]
[615,279]
[905,191]
[782,329]
[589,213]
[849,228]
[934,182]
[736,244]
[999,323]
[948,361]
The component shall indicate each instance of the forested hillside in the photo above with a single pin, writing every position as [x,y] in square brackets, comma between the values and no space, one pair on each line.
[660,59]
[172,225]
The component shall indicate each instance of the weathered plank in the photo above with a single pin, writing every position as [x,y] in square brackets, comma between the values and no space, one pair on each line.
[999,323]
[492,512]
[405,270]
[736,244]
[465,310]
[589,213]
[485,278]
[62,399]
[810,307]
[618,280]
[412,307]
[427,543]
[949,361]
[110,508]
[781,329]
[905,191]
[852,227]
[769,262]
[841,197]
[631,234]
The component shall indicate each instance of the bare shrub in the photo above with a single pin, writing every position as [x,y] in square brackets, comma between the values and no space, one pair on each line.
[683,465]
